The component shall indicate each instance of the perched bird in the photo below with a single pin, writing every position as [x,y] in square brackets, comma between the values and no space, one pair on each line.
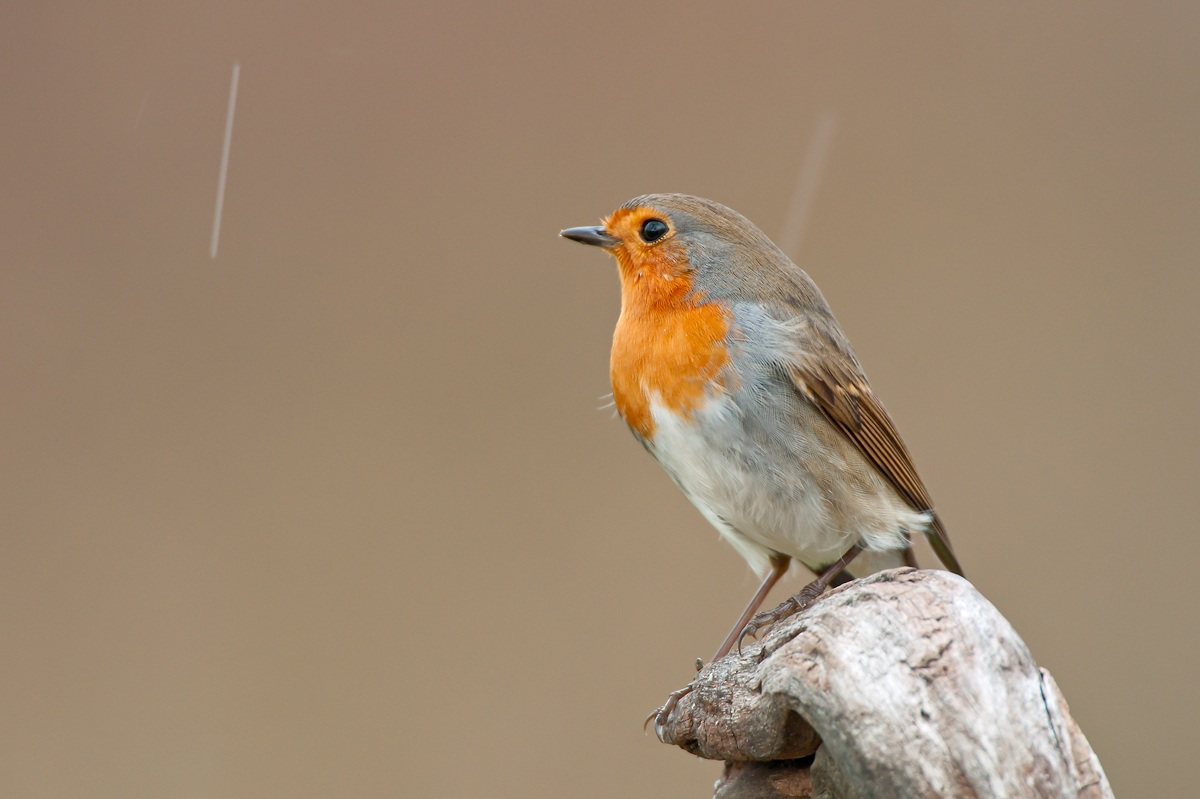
[729,367]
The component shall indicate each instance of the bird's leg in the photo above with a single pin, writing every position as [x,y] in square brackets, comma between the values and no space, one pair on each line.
[800,601]
[779,565]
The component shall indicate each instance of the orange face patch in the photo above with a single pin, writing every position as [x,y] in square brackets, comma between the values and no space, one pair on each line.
[667,346]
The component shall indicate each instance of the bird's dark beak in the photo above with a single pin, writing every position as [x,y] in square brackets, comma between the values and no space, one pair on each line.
[590,235]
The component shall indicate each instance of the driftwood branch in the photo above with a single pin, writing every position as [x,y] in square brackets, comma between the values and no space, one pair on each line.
[905,684]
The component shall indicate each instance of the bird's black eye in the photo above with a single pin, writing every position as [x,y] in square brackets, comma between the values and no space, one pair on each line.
[653,230]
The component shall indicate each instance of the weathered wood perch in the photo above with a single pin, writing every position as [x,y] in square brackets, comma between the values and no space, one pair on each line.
[905,684]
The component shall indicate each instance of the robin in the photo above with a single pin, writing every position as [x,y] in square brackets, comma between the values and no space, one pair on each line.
[729,367]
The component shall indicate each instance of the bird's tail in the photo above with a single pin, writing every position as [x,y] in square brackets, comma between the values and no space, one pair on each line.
[941,546]
[870,562]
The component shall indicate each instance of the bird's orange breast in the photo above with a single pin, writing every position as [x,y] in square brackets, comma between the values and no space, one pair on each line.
[668,348]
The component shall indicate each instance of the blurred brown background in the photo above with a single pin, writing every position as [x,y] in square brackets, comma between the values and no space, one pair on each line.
[337,513]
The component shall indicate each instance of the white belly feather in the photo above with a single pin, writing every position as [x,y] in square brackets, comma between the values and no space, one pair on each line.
[811,496]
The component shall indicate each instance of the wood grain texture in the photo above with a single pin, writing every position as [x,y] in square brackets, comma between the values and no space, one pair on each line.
[905,684]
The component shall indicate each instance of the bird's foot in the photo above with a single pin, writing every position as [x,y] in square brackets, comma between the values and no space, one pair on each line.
[788,607]
[661,715]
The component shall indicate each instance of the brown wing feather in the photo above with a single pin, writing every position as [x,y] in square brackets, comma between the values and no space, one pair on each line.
[844,397]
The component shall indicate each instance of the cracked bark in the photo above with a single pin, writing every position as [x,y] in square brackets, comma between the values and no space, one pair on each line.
[905,684]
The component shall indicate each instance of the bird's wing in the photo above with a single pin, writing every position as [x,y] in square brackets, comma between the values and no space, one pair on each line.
[844,397]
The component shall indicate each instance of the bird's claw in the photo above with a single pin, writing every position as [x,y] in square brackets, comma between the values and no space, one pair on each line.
[767,619]
[661,715]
